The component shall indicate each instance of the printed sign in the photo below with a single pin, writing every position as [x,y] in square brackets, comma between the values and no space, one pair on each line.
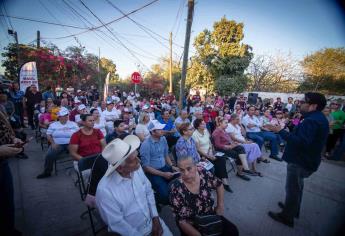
[28,75]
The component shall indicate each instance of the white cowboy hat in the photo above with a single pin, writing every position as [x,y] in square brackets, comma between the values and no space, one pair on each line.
[118,150]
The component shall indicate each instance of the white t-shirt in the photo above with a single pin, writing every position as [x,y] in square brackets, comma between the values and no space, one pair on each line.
[196,109]
[289,106]
[110,117]
[236,131]
[62,133]
[77,118]
[152,116]
[101,125]
[142,129]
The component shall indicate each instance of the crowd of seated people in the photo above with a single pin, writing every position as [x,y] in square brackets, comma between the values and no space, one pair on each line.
[174,146]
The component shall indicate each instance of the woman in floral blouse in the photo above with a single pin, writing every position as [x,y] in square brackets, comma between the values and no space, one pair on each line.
[190,196]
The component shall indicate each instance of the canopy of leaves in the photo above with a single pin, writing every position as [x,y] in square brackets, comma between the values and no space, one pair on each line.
[227,85]
[324,71]
[74,66]
[219,53]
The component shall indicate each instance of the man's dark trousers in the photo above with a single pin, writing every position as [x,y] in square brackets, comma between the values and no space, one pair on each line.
[294,189]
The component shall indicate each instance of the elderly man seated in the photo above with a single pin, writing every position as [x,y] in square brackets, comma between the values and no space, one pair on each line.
[124,195]
[156,161]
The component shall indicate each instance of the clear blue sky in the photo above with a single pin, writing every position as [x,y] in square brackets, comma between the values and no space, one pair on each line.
[296,26]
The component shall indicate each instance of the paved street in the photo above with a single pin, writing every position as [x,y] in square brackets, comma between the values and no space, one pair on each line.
[52,206]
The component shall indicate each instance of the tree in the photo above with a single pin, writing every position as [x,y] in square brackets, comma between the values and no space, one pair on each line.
[324,71]
[109,66]
[73,66]
[220,54]
[161,70]
[279,73]
[199,76]
[225,85]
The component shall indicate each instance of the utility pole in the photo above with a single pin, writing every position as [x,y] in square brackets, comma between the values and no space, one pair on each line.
[38,39]
[170,65]
[185,51]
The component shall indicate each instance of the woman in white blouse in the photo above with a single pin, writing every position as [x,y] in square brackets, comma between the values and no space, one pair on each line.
[99,121]
[141,129]
[205,149]
[252,149]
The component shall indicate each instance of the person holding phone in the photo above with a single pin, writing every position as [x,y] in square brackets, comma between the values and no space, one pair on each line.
[8,149]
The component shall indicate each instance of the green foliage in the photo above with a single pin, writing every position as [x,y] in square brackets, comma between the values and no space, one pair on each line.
[219,54]
[227,85]
[324,71]
[199,76]
[161,70]
[74,66]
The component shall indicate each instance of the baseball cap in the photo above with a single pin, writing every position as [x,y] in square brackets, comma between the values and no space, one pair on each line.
[155,124]
[63,112]
[81,107]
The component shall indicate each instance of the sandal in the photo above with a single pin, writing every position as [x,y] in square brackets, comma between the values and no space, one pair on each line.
[266,161]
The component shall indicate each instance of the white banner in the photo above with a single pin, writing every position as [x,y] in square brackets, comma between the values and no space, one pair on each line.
[28,75]
[106,87]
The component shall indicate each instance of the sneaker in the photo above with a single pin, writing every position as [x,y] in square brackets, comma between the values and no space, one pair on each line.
[246,178]
[281,218]
[43,175]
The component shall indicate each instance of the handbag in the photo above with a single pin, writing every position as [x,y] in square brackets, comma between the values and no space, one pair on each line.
[209,225]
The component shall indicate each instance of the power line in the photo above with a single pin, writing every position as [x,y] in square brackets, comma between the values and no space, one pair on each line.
[110,22]
[146,30]
[9,20]
[42,21]
[177,16]
[179,22]
[52,15]
[80,15]
[118,40]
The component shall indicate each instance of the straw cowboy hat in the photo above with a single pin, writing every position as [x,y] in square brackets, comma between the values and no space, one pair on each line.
[118,150]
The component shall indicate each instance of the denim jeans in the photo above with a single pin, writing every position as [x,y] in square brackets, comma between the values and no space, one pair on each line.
[52,155]
[160,185]
[260,137]
[294,189]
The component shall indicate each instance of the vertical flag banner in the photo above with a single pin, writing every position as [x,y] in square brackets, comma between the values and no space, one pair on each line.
[28,75]
[106,86]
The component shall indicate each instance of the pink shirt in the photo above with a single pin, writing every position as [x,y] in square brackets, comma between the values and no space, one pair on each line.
[221,138]
[280,122]
[45,117]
